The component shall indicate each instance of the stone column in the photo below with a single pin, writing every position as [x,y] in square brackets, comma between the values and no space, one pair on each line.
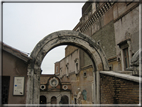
[29,86]
[98,86]
[93,92]
[95,87]
[96,93]
[36,86]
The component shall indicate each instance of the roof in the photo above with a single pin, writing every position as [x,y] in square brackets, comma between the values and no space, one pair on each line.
[15,52]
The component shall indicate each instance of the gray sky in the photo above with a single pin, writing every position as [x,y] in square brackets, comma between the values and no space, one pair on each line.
[25,24]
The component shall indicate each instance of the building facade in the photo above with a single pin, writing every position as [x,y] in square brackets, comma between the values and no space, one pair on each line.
[14,75]
[115,27]
[68,69]
[54,91]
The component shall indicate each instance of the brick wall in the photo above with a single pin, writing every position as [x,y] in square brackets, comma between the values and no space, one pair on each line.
[115,90]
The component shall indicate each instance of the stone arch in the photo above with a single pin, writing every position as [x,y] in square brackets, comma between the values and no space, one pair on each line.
[65,37]
[64,99]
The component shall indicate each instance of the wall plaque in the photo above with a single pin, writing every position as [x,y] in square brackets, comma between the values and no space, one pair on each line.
[18,86]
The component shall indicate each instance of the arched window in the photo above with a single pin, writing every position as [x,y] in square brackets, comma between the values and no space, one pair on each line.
[64,99]
[67,69]
[125,53]
[76,65]
[42,99]
[53,100]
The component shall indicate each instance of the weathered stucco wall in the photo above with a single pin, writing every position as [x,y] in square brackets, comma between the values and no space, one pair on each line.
[69,49]
[70,62]
[14,67]
[127,27]
[83,79]
[106,39]
[84,59]
[44,78]
[82,82]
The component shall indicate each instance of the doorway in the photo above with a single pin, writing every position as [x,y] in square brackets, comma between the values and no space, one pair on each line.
[64,99]
[53,100]
[42,99]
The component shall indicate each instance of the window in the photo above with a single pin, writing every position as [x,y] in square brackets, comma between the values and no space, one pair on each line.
[98,43]
[56,68]
[5,89]
[67,69]
[125,47]
[84,74]
[126,57]
[110,67]
[76,65]
[75,102]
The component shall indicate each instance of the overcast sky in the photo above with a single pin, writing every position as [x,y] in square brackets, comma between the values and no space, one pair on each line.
[25,24]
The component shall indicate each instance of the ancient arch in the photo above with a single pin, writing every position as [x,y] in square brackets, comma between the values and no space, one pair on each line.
[65,37]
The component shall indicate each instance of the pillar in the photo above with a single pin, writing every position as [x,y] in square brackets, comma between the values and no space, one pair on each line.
[36,86]
[29,95]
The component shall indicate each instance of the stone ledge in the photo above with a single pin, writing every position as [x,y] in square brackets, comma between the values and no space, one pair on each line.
[123,76]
